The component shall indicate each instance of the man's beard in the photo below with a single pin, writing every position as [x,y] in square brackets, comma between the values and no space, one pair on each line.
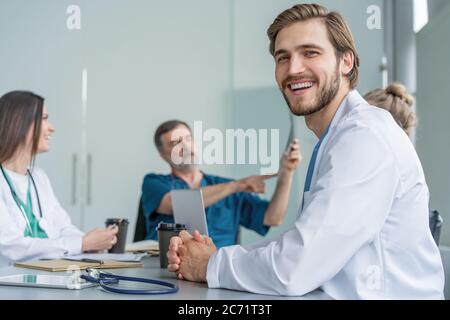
[185,167]
[188,163]
[322,99]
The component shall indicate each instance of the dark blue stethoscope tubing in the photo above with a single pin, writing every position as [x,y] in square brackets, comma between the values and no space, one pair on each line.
[105,280]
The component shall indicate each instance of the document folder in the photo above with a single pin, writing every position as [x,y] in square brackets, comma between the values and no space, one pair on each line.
[65,265]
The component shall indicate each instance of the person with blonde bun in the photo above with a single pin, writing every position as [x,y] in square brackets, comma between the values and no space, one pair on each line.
[395,99]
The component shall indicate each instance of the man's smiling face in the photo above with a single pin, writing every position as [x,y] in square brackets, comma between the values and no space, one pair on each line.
[307,70]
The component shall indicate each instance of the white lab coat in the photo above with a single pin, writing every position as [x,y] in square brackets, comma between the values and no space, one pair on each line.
[63,237]
[363,232]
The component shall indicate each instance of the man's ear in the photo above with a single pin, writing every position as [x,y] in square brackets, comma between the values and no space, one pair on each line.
[347,62]
[161,154]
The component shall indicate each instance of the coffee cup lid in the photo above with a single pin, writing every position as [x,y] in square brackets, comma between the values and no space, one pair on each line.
[171,226]
[116,220]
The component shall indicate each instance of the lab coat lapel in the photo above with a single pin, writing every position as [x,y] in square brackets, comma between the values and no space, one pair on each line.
[351,101]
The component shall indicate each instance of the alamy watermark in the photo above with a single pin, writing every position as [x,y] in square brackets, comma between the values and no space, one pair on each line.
[374,19]
[373,278]
[73,21]
[232,146]
[73,281]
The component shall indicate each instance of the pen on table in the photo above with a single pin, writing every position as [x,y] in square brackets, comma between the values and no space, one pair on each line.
[92,261]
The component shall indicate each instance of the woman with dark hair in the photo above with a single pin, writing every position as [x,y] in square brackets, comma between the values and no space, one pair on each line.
[33,224]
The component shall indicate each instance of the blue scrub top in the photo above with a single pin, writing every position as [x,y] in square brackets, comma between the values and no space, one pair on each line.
[223,217]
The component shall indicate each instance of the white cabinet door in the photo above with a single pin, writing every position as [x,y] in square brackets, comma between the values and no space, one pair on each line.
[63,162]
[38,53]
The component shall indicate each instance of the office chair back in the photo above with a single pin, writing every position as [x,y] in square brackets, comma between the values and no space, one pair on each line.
[435,225]
[140,229]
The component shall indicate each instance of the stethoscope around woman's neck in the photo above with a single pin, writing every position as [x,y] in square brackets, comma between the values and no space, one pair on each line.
[15,196]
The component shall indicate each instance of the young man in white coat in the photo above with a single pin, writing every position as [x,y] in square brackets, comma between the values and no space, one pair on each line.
[362,230]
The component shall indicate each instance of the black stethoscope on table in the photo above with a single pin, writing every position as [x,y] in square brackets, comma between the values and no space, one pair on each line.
[106,279]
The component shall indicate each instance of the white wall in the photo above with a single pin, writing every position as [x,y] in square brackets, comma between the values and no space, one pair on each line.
[433,108]
[445,255]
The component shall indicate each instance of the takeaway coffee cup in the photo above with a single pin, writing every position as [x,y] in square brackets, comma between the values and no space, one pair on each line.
[165,232]
[122,224]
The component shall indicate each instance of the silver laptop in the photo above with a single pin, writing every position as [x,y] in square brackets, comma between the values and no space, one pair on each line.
[188,208]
